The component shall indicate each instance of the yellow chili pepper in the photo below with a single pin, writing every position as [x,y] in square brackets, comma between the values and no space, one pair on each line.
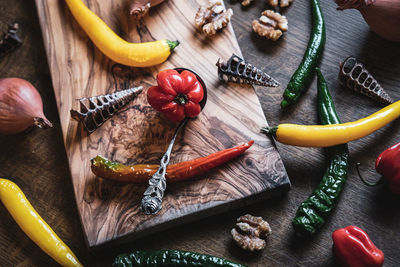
[130,54]
[33,225]
[335,134]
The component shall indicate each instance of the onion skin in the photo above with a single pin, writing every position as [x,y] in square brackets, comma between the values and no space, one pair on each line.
[382,16]
[139,8]
[21,107]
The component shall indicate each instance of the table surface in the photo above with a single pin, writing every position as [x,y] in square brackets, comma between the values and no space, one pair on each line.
[37,161]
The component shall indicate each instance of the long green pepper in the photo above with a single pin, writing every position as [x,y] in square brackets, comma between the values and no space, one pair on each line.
[312,213]
[302,77]
[171,258]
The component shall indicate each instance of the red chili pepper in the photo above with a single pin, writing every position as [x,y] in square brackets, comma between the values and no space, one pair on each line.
[116,171]
[177,95]
[352,247]
[388,164]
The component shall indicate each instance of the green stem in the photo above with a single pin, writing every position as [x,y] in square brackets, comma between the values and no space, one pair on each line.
[181,99]
[284,103]
[380,181]
[172,44]
[270,130]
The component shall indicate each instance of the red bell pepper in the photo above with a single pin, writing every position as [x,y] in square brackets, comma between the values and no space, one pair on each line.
[177,95]
[352,247]
[388,164]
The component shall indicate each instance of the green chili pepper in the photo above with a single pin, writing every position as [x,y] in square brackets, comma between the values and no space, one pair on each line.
[312,213]
[171,258]
[302,77]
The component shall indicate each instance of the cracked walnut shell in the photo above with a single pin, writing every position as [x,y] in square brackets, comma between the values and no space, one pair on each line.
[281,3]
[250,232]
[212,17]
[270,25]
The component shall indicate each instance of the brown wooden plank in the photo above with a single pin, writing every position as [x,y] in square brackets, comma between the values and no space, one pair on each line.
[232,115]
[38,164]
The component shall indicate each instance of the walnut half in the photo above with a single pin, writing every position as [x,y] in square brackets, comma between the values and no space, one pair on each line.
[212,17]
[282,3]
[270,25]
[250,232]
[246,2]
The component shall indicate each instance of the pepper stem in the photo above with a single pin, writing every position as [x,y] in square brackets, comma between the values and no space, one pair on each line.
[172,44]
[270,130]
[380,181]
[42,123]
[181,99]
[284,103]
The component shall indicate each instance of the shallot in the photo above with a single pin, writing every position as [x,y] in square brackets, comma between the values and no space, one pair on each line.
[382,16]
[21,107]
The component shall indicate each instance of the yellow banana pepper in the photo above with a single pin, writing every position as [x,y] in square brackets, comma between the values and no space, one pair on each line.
[130,54]
[34,226]
[335,134]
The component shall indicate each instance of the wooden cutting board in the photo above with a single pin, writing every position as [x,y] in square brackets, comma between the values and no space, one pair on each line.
[110,211]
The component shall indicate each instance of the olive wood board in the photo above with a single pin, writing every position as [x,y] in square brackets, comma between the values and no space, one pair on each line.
[109,211]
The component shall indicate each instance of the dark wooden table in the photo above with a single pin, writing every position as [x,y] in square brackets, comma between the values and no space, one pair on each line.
[38,164]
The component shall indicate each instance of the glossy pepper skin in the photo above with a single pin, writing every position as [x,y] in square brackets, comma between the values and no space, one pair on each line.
[131,54]
[171,258]
[181,171]
[34,226]
[302,77]
[352,247]
[177,95]
[311,214]
[388,164]
[331,135]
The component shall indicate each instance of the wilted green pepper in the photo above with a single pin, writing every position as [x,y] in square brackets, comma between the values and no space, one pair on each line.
[311,214]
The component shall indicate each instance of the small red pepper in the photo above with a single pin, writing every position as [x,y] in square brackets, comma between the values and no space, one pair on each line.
[352,247]
[388,164]
[177,95]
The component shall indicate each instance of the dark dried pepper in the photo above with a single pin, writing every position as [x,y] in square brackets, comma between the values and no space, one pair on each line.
[238,71]
[10,40]
[94,111]
[356,77]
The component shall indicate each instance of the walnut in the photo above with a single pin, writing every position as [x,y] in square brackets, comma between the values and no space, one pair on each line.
[246,2]
[282,3]
[250,232]
[139,8]
[212,17]
[270,25]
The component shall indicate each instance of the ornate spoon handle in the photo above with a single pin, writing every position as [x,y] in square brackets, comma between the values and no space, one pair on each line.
[152,197]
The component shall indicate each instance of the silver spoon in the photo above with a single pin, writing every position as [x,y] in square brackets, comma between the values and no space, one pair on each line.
[152,197]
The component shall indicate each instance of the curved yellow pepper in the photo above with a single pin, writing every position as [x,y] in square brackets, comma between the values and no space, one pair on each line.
[330,135]
[130,54]
[34,226]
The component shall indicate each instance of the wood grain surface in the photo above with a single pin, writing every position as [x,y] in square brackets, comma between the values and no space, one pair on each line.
[139,134]
[38,164]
